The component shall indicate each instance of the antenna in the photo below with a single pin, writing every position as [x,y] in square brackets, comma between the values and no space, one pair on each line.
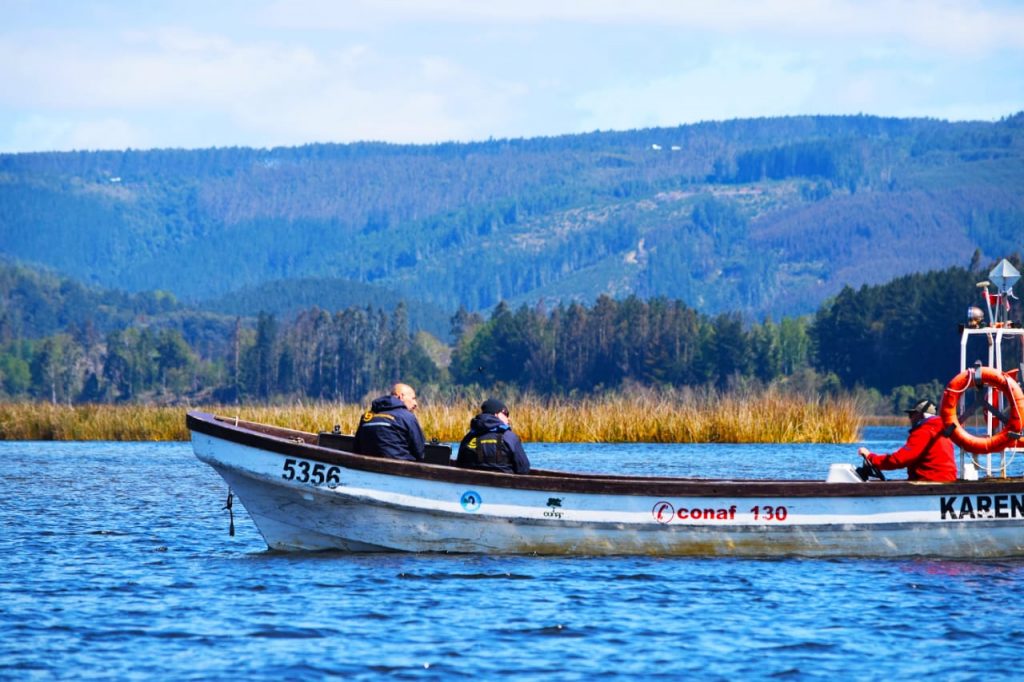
[1003,276]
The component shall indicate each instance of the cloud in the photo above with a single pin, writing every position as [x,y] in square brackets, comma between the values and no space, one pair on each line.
[947,25]
[38,132]
[168,67]
[265,91]
[752,79]
[182,73]
[733,82]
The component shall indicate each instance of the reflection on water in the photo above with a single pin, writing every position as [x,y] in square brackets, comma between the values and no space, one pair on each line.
[117,564]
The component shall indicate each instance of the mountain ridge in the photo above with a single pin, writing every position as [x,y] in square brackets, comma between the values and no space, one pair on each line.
[765,216]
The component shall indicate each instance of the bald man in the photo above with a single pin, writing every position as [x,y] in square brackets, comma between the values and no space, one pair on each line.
[389,428]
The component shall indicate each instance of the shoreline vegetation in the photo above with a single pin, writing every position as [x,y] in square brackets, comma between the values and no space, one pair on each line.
[653,417]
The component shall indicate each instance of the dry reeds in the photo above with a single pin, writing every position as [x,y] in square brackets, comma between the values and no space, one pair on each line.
[672,416]
[45,421]
[690,417]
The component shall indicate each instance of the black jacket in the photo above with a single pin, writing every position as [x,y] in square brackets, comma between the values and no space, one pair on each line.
[389,429]
[490,444]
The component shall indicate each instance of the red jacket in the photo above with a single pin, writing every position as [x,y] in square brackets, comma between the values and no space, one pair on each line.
[927,455]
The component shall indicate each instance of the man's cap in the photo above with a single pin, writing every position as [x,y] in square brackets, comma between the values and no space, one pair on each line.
[922,406]
[493,406]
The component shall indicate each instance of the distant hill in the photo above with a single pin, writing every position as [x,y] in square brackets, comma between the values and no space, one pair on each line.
[762,215]
[37,303]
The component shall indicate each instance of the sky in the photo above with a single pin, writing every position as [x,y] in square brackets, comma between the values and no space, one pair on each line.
[118,74]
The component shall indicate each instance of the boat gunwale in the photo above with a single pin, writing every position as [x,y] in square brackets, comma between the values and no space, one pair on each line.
[291,442]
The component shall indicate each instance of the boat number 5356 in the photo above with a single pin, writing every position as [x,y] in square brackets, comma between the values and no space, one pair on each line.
[305,472]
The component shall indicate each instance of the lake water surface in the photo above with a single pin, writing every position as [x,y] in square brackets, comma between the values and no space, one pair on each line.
[116,563]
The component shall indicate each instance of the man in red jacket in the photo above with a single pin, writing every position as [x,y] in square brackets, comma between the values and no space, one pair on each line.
[927,455]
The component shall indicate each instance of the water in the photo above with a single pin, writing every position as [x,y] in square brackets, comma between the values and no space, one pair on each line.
[115,563]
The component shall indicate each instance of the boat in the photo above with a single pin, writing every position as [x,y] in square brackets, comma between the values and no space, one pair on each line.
[309,491]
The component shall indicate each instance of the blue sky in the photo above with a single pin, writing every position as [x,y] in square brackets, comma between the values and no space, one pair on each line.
[264,73]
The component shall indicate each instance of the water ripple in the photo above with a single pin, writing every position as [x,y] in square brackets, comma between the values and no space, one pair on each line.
[464,576]
[290,633]
[110,573]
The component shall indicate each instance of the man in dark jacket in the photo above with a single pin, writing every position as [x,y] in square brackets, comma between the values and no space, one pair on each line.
[389,428]
[491,444]
[927,455]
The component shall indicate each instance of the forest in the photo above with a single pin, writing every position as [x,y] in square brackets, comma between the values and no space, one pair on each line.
[768,216]
[810,254]
[66,343]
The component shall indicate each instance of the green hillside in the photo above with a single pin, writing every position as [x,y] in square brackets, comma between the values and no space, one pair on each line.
[36,304]
[760,216]
[888,344]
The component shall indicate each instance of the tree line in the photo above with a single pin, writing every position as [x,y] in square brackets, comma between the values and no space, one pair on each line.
[317,356]
[891,342]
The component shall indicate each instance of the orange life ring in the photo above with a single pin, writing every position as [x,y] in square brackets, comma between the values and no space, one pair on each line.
[979,377]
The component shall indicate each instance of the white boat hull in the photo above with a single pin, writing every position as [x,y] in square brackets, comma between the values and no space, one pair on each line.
[301,497]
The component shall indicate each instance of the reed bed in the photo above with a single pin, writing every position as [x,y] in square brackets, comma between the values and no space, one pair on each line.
[682,416]
[45,421]
[690,417]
